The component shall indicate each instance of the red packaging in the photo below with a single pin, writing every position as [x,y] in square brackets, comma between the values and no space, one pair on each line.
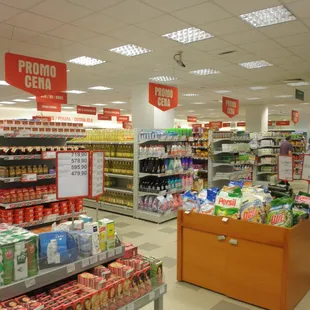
[39,208]
[9,212]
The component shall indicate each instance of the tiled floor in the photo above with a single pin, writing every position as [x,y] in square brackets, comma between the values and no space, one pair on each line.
[161,241]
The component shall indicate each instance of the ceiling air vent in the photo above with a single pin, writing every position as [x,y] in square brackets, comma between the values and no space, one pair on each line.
[226,53]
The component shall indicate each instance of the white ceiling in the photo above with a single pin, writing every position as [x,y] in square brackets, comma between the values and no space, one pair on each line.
[64,29]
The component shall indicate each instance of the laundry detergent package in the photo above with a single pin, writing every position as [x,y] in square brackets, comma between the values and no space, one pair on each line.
[190,201]
[252,209]
[280,213]
[228,202]
[299,214]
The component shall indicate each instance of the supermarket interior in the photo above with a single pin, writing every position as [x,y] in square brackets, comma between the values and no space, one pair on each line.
[154,154]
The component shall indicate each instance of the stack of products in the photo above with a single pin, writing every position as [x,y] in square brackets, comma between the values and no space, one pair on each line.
[271,169]
[107,135]
[18,171]
[113,150]
[200,134]
[180,150]
[122,199]
[236,147]
[267,151]
[268,160]
[267,143]
[173,134]
[119,167]
[222,135]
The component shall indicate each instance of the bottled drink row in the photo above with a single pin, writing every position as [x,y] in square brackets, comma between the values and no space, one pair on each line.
[120,135]
[170,150]
[167,165]
[125,200]
[113,150]
[119,167]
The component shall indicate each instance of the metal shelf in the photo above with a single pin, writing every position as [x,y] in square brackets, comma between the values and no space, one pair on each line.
[162,193]
[141,157]
[268,147]
[161,175]
[267,172]
[104,206]
[100,142]
[163,141]
[273,155]
[20,157]
[155,217]
[267,164]
[118,158]
[14,205]
[39,176]
[118,190]
[155,296]
[51,275]
[121,176]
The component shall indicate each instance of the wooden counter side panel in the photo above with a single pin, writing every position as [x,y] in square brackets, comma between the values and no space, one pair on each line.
[298,258]
[260,233]
[180,247]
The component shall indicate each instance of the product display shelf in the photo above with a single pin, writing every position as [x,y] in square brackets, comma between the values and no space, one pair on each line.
[52,275]
[155,217]
[161,175]
[156,296]
[116,175]
[20,157]
[101,142]
[118,190]
[118,158]
[19,179]
[233,252]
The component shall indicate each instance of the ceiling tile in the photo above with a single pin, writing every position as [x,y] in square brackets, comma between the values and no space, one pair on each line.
[284,29]
[245,37]
[73,33]
[307,22]
[49,41]
[21,4]
[245,6]
[265,45]
[104,42]
[300,9]
[16,33]
[226,26]
[300,49]
[6,12]
[170,6]
[6,30]
[294,40]
[139,12]
[100,23]
[95,5]
[202,14]
[279,52]
[33,22]
[210,44]
[28,49]
[68,12]
[163,24]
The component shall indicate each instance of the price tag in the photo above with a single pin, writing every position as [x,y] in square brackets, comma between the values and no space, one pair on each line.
[97,181]
[71,268]
[162,290]
[29,177]
[48,155]
[225,219]
[130,307]
[111,253]
[151,295]
[85,262]
[30,282]
[118,250]
[103,256]
[52,218]
[93,259]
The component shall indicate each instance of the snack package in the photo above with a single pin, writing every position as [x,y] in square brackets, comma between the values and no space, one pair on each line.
[280,213]
[228,202]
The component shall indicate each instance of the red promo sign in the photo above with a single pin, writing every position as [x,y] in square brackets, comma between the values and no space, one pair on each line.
[57,98]
[230,106]
[216,125]
[80,109]
[111,112]
[127,125]
[282,123]
[207,125]
[295,117]
[270,123]
[102,117]
[191,119]
[122,118]
[241,124]
[42,118]
[49,107]
[196,125]
[226,124]
[35,75]
[163,97]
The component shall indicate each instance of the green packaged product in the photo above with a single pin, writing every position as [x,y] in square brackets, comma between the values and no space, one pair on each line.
[32,251]
[280,213]
[7,255]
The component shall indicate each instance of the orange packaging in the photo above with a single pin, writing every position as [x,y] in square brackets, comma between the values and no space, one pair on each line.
[19,195]
[26,196]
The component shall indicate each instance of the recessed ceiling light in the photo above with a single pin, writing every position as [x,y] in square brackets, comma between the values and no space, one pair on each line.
[100,104]
[299,84]
[222,91]
[130,50]
[255,64]
[4,83]
[7,102]
[68,70]
[208,71]
[163,78]
[75,91]
[271,16]
[119,102]
[253,98]
[188,35]
[284,96]
[280,105]
[100,88]
[86,61]
[33,97]
[21,100]
[190,95]
[198,103]
[257,87]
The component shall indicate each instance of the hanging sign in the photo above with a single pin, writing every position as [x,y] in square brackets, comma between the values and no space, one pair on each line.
[230,106]
[216,125]
[241,124]
[122,118]
[305,173]
[196,125]
[127,125]
[163,97]
[299,94]
[102,117]
[295,117]
[191,119]
[96,174]
[226,125]
[80,109]
[54,98]
[282,123]
[206,125]
[35,75]
[270,123]
[285,168]
[111,112]
[40,118]
[49,107]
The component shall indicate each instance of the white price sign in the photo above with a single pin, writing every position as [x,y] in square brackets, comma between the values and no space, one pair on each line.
[305,175]
[48,155]
[72,171]
[97,178]
[29,177]
[285,167]
[30,282]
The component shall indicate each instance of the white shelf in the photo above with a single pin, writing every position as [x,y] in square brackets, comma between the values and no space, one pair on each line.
[142,157]
[162,193]
[161,175]
[263,172]
[118,190]
[39,176]
[100,142]
[271,155]
[51,275]
[20,157]
[158,140]
[109,207]
[119,158]
[155,217]
[120,176]
[267,164]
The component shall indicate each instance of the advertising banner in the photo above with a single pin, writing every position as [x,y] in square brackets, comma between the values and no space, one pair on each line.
[163,97]
[230,106]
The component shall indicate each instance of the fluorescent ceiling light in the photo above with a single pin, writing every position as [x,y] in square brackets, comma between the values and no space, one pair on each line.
[280,105]
[4,83]
[7,102]
[284,96]
[255,64]
[299,84]
[75,91]
[100,88]
[253,98]
[222,91]
[163,78]
[208,71]
[257,87]
[100,104]
[86,61]
[130,50]
[188,35]
[21,100]
[190,95]
[68,108]
[33,97]
[271,16]
[198,103]
[119,102]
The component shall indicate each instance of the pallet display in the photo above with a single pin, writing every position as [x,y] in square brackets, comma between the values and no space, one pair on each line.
[255,263]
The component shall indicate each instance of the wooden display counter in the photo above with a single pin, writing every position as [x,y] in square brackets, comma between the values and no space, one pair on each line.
[259,264]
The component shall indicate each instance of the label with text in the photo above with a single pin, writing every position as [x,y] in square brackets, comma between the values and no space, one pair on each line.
[163,97]
[285,168]
[230,106]
[80,109]
[216,125]
[122,118]
[191,119]
[111,112]
[102,117]
[282,123]
[49,107]
[53,98]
